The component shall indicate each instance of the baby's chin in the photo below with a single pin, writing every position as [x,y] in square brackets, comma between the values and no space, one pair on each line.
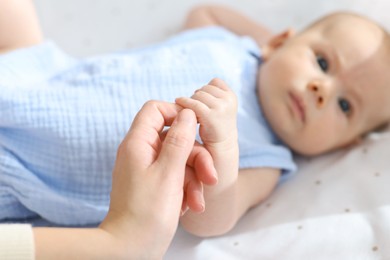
[307,152]
[306,148]
[310,150]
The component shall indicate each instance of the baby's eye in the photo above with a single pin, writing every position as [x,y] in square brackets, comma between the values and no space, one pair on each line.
[345,106]
[323,63]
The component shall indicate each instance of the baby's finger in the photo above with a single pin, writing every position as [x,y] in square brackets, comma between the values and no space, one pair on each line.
[214,91]
[198,107]
[219,83]
[227,94]
[206,98]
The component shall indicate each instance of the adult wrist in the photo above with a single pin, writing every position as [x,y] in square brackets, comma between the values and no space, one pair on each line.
[131,239]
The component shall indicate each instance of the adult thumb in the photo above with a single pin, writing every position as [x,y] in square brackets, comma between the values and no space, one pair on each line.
[178,142]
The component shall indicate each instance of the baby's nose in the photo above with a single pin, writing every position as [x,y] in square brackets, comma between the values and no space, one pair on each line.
[319,94]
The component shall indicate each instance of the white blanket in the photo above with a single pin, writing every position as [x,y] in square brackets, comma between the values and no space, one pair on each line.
[337,206]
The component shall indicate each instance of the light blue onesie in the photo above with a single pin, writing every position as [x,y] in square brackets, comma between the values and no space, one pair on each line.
[62,118]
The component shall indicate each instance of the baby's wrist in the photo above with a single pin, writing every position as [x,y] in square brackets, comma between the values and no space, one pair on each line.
[226,157]
[223,145]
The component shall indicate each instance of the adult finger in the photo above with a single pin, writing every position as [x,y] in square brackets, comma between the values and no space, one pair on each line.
[193,189]
[200,159]
[178,142]
[154,115]
[145,130]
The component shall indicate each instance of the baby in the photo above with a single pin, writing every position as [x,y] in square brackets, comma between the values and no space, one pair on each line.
[319,90]
[62,118]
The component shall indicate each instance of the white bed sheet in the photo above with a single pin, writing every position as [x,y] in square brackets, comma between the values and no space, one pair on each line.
[337,206]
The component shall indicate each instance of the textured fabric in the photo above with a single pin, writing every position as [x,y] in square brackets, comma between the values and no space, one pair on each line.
[16,242]
[62,118]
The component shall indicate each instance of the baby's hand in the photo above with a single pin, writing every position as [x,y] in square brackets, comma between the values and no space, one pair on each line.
[215,106]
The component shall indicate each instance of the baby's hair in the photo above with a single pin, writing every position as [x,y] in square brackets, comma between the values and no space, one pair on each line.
[335,16]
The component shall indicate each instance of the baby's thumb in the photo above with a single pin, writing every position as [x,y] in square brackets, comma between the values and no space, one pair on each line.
[178,143]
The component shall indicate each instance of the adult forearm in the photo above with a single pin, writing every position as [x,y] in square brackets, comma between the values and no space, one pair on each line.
[74,243]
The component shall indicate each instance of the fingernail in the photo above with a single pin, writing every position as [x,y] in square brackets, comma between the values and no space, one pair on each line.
[216,179]
[203,207]
[184,211]
[215,175]
[202,202]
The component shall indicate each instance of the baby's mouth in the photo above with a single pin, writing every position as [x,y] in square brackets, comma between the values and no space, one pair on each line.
[298,106]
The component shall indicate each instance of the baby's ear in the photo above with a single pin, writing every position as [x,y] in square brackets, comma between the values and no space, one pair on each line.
[275,42]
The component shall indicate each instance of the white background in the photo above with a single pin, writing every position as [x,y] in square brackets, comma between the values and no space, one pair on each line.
[84,27]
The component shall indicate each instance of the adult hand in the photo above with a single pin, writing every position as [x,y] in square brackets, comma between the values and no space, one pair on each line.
[147,191]
[148,177]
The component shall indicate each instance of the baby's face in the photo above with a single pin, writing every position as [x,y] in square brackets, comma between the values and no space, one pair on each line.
[323,88]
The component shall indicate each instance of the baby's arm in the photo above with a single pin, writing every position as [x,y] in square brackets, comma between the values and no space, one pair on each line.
[19,26]
[216,108]
[228,18]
